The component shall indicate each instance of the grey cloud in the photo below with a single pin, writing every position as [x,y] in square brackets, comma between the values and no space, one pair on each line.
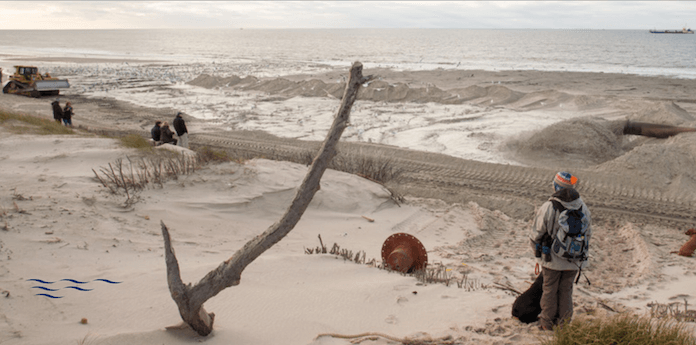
[353,14]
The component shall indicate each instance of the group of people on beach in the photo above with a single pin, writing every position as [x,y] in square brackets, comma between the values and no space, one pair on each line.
[161,134]
[62,114]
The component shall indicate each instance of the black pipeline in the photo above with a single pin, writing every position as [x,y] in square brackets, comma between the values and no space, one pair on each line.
[654,130]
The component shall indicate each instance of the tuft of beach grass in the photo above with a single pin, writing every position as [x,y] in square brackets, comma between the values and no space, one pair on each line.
[622,329]
[136,142]
[28,124]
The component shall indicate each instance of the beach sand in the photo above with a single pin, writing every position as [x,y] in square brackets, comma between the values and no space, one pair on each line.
[62,224]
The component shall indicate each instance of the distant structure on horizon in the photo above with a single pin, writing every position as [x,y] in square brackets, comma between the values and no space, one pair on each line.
[682,31]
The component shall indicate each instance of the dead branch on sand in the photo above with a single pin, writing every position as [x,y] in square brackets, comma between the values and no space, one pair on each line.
[672,310]
[190,299]
[3,216]
[425,340]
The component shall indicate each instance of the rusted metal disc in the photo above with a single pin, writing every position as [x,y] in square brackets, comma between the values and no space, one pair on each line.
[403,252]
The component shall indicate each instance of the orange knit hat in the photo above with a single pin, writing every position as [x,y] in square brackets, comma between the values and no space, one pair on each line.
[564,180]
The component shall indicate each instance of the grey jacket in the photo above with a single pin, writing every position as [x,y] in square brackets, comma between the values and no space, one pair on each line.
[546,222]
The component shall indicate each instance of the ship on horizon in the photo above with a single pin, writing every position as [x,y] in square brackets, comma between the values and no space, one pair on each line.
[684,30]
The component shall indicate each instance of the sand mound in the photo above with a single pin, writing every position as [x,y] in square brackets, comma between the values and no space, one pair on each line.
[316,88]
[469,93]
[620,257]
[376,91]
[543,99]
[670,163]
[209,82]
[665,113]
[381,91]
[585,102]
[490,95]
[586,140]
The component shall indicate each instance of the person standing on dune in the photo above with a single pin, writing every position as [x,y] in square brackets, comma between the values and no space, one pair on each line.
[181,131]
[561,235]
[57,111]
[67,114]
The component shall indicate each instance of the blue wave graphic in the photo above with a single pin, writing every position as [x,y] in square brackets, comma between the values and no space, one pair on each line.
[74,281]
[78,288]
[44,288]
[40,281]
[66,287]
[108,281]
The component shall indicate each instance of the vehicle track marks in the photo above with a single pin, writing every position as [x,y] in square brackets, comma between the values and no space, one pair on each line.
[461,180]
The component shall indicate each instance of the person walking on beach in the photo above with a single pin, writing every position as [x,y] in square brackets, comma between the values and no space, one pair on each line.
[67,114]
[57,111]
[561,232]
[167,135]
[181,131]
[156,132]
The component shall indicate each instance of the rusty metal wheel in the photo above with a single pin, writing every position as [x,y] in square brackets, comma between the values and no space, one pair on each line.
[404,253]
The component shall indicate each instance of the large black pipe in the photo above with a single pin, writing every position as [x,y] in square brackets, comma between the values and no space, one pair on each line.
[654,130]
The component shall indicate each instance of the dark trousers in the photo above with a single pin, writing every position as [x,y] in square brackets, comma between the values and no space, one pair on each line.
[557,299]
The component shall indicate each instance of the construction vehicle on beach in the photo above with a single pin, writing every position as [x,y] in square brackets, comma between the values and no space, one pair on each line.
[28,81]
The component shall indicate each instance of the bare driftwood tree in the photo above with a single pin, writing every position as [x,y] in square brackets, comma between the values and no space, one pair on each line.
[189,298]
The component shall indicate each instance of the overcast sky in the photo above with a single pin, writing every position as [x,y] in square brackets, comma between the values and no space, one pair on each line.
[641,15]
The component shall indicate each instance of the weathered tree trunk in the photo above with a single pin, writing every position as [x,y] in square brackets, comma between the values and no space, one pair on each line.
[189,298]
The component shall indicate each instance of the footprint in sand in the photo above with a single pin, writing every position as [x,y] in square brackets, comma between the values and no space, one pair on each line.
[401,300]
[401,287]
[391,319]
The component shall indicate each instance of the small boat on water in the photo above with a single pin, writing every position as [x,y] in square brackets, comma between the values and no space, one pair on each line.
[682,31]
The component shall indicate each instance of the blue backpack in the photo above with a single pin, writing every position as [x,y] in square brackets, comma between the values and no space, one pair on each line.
[570,241]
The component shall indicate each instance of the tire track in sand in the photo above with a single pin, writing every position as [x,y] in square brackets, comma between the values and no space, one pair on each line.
[515,190]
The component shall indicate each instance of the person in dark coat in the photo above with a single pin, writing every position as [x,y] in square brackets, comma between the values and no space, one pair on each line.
[156,131]
[67,114]
[166,135]
[57,111]
[181,131]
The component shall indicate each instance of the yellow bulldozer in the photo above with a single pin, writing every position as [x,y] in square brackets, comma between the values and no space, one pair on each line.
[28,81]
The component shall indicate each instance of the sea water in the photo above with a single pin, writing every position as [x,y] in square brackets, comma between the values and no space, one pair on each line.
[610,51]
[151,67]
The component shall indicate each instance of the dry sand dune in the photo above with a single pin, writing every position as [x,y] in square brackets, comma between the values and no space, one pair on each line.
[62,224]
[590,140]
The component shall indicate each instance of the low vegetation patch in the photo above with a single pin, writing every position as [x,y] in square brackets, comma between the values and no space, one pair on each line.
[378,169]
[435,273]
[29,124]
[153,169]
[206,154]
[622,329]
[136,142]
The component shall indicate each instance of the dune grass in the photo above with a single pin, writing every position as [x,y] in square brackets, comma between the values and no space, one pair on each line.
[207,154]
[622,329]
[136,141]
[380,169]
[377,169]
[29,124]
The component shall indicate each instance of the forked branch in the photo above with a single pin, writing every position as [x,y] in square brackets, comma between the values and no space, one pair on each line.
[189,298]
